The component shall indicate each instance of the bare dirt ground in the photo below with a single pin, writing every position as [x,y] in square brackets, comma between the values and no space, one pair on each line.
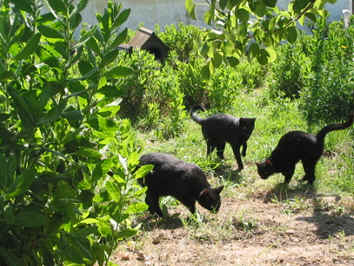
[273,227]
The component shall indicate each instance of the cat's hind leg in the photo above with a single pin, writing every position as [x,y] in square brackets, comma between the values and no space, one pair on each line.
[220,149]
[210,146]
[309,168]
[236,150]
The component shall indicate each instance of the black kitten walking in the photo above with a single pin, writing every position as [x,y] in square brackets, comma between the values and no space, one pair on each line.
[295,146]
[221,128]
[184,181]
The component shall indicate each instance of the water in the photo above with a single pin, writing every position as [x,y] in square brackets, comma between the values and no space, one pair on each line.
[148,13]
[166,12]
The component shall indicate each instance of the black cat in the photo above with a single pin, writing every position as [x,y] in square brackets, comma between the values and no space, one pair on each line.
[295,146]
[221,128]
[184,181]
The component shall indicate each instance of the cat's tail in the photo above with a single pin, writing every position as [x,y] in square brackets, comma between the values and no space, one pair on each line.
[194,116]
[324,131]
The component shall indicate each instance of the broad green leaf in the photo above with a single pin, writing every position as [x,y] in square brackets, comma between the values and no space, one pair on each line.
[217,59]
[126,234]
[291,34]
[253,49]
[50,32]
[85,67]
[232,3]
[30,47]
[311,16]
[119,71]
[272,54]
[23,5]
[57,6]
[121,38]
[113,191]
[205,72]
[31,217]
[122,17]
[75,20]
[222,4]
[92,44]
[90,153]
[82,5]
[233,61]
[143,170]
[109,57]
[243,15]
[89,221]
[136,208]
[190,7]
[209,16]
[270,3]
[262,57]
[258,7]
[23,182]
[229,48]
[300,4]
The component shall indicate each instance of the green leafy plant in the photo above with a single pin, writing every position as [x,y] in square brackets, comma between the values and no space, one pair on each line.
[60,136]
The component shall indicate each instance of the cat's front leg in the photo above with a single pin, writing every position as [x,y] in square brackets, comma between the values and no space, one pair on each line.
[152,200]
[190,204]
[288,173]
[244,149]
[236,150]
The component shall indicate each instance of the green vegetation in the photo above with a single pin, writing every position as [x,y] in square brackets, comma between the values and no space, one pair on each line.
[75,115]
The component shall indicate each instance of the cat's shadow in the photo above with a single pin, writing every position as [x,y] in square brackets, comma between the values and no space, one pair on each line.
[228,173]
[328,220]
[168,222]
[282,192]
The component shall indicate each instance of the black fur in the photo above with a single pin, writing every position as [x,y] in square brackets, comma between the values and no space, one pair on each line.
[184,181]
[221,128]
[295,146]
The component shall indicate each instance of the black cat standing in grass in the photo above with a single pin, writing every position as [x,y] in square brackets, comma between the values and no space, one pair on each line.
[298,146]
[221,128]
[184,181]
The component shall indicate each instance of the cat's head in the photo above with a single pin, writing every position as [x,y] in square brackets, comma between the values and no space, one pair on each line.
[209,198]
[265,169]
[247,126]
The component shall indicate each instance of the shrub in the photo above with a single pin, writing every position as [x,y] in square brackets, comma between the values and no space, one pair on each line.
[60,137]
[328,92]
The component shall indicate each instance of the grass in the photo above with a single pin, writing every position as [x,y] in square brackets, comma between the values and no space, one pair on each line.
[263,220]
[334,171]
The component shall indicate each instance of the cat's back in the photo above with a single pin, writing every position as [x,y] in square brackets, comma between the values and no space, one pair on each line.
[297,143]
[297,137]
[170,175]
[221,121]
[167,164]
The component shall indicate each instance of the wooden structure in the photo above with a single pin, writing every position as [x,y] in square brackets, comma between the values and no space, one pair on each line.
[147,40]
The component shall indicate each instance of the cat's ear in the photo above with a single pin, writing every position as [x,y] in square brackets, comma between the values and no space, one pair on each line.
[203,192]
[218,189]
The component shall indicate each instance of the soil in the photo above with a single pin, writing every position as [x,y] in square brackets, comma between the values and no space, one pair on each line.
[276,227]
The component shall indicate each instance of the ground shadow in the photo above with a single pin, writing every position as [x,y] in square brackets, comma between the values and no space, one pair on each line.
[228,173]
[282,192]
[329,223]
[151,222]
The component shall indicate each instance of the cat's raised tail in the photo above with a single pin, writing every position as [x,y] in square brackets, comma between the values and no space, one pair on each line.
[324,131]
[194,116]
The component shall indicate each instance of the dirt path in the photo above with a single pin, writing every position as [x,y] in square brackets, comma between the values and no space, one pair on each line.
[250,229]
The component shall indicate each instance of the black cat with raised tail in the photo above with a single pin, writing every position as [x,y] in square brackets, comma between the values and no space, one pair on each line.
[297,146]
[221,128]
[184,181]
